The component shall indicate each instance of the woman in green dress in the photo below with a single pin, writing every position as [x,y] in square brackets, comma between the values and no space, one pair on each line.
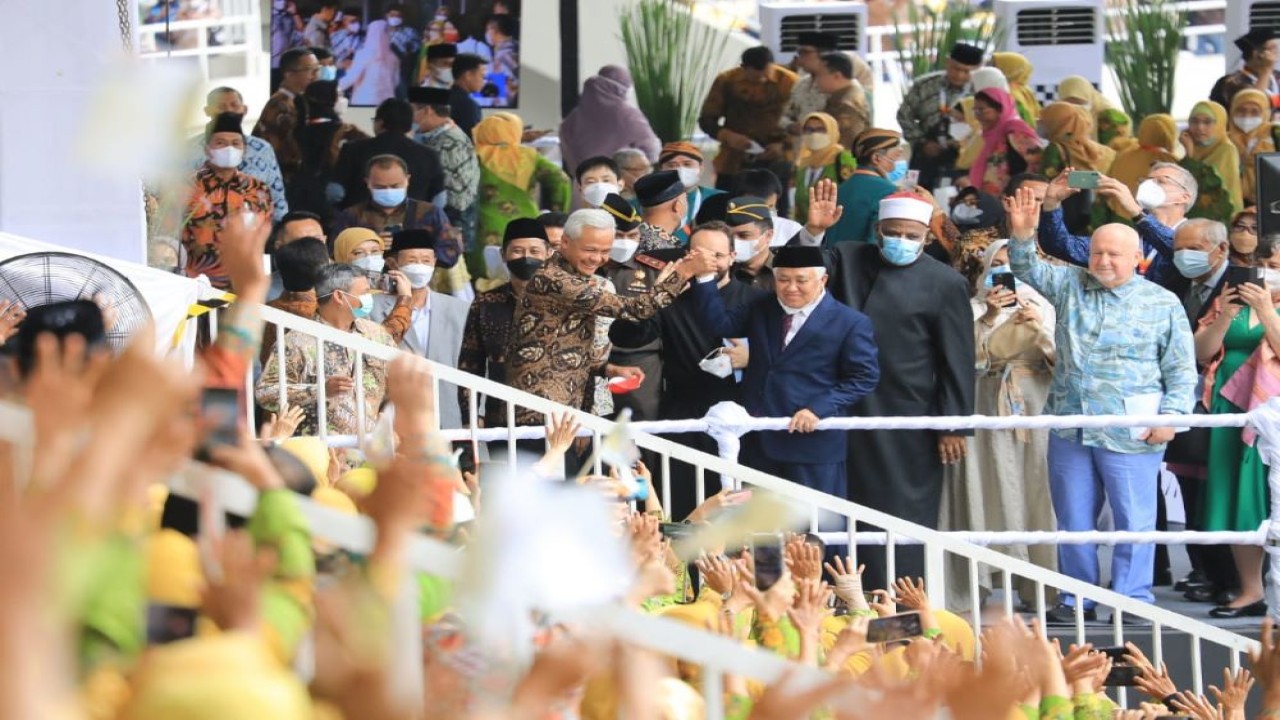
[1239,340]
[510,178]
[822,156]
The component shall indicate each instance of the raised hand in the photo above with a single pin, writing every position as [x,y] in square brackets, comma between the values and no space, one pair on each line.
[1234,693]
[1022,212]
[911,595]
[803,560]
[1059,190]
[1155,683]
[848,582]
[718,572]
[824,211]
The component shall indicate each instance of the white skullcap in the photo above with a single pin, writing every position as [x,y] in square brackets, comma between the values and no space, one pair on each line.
[905,206]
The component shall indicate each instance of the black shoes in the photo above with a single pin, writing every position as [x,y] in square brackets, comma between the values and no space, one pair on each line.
[1193,579]
[1210,594]
[1063,614]
[1258,609]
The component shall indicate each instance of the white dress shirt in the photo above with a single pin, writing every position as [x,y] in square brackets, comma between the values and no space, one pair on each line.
[798,317]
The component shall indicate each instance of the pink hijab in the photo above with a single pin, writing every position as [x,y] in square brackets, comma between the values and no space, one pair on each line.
[997,137]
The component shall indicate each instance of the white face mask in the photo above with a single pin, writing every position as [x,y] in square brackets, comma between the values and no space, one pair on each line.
[1247,124]
[1150,195]
[1272,277]
[370,263]
[817,141]
[965,214]
[444,75]
[743,250]
[595,193]
[960,131]
[623,249]
[226,157]
[354,27]
[419,275]
[717,363]
[395,21]
[689,177]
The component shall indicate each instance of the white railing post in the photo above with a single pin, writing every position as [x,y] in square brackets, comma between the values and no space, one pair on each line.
[1266,422]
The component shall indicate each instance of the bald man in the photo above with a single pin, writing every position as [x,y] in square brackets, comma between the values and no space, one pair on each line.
[1120,338]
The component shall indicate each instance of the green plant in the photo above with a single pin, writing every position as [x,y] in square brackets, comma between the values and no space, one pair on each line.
[925,42]
[670,54]
[1144,38]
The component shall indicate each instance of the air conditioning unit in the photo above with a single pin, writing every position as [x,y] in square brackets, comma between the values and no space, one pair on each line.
[781,24]
[1059,37]
[1243,16]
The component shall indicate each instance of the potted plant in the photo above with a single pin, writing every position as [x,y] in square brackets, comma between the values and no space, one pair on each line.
[1144,39]
[669,54]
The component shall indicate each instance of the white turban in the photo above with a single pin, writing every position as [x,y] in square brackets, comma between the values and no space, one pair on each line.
[901,206]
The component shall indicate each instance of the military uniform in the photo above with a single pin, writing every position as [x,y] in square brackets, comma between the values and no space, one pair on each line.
[637,344]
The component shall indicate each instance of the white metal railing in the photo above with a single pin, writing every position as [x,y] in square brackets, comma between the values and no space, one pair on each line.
[937,545]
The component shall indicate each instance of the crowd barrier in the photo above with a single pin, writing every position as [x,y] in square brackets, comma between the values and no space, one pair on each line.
[939,547]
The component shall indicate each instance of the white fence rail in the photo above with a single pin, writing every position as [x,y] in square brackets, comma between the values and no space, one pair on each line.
[231,34]
[938,546]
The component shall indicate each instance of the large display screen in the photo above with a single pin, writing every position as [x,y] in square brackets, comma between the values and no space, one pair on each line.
[381,48]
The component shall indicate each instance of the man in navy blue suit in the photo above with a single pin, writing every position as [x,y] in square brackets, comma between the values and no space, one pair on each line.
[811,358]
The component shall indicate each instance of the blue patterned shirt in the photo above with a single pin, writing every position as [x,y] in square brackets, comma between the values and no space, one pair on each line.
[259,162]
[1111,344]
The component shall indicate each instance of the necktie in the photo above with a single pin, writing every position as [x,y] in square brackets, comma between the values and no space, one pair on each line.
[786,328]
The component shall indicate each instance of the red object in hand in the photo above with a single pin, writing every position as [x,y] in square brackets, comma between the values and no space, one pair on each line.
[624,385]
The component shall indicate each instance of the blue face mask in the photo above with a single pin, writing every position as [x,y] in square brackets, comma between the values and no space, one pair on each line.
[365,307]
[898,172]
[328,73]
[899,250]
[389,197]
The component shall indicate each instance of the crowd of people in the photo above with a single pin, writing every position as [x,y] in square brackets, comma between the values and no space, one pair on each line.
[376,57]
[991,255]
[451,239]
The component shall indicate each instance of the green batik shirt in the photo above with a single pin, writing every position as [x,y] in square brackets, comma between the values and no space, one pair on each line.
[458,158]
[925,111]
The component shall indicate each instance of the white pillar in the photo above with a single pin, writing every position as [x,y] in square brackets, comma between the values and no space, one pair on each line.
[52,54]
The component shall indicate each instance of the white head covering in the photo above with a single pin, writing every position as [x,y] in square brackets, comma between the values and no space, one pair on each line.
[904,206]
[989,77]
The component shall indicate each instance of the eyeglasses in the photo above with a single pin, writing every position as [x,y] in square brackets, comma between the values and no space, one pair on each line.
[1167,180]
[1244,227]
[721,256]
[310,70]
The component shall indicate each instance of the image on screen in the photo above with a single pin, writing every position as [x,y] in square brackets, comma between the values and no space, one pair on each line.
[381,48]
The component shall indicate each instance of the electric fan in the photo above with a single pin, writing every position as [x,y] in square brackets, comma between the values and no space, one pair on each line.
[48,277]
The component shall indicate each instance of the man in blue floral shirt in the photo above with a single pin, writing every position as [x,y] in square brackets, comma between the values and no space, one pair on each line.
[1123,347]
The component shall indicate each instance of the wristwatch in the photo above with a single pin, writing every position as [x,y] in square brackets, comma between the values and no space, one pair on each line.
[1137,218]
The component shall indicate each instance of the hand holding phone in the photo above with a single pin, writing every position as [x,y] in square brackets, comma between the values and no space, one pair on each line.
[766,553]
[895,627]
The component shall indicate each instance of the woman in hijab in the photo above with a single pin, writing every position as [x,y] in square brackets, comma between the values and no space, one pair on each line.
[1214,162]
[980,219]
[1157,137]
[604,122]
[320,139]
[1069,130]
[1111,125]
[375,69]
[1251,133]
[1003,482]
[1017,70]
[1009,145]
[821,156]
[512,179]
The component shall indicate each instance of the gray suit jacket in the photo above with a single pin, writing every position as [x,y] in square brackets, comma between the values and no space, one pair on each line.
[444,342]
